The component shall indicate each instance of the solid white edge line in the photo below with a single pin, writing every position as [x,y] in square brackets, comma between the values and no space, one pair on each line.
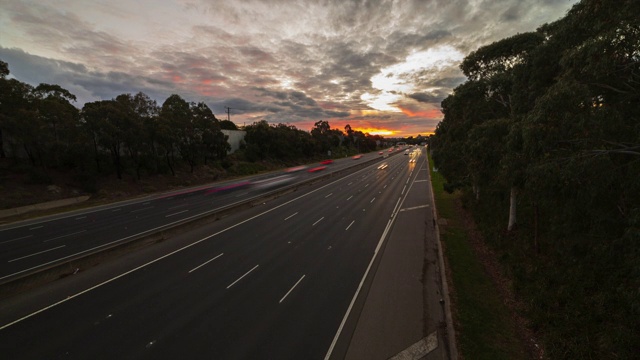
[38,253]
[203,264]
[355,296]
[241,277]
[290,290]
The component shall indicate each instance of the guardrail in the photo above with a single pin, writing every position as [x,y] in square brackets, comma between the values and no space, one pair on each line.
[70,266]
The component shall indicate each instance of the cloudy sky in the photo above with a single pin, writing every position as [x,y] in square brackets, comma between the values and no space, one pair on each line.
[382,66]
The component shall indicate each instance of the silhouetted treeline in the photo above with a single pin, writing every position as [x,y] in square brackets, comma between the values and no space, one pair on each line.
[544,137]
[132,134]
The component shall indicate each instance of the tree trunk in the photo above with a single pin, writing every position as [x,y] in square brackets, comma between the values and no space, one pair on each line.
[476,192]
[512,208]
[535,228]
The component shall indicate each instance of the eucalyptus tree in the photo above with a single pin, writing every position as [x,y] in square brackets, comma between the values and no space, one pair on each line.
[108,122]
[15,101]
[213,143]
[176,130]
[496,65]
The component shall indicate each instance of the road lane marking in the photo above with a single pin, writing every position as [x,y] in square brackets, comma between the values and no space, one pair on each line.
[290,290]
[80,218]
[366,185]
[62,236]
[403,189]
[366,273]
[395,207]
[147,208]
[350,183]
[372,200]
[385,186]
[148,263]
[420,349]
[350,225]
[179,212]
[16,239]
[118,209]
[38,253]
[203,264]
[240,278]
[314,224]
[178,206]
[36,227]
[328,195]
[349,198]
[414,208]
[421,181]
[290,216]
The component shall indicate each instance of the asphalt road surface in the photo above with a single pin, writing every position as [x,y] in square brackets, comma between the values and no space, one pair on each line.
[272,282]
[32,245]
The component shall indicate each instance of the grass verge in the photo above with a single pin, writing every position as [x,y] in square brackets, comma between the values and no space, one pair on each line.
[484,326]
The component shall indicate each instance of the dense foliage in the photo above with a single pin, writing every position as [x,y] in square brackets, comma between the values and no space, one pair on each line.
[548,123]
[133,135]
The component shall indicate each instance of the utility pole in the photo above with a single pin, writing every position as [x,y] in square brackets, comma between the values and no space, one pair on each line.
[228,113]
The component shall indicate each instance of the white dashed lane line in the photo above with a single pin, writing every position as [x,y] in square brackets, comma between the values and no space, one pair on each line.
[179,212]
[350,225]
[62,236]
[38,253]
[143,209]
[241,277]
[16,239]
[205,263]
[314,224]
[36,227]
[290,290]
[290,216]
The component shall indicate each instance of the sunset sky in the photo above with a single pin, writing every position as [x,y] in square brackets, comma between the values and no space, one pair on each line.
[380,66]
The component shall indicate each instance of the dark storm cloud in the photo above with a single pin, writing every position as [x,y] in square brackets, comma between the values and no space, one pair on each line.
[435,97]
[281,60]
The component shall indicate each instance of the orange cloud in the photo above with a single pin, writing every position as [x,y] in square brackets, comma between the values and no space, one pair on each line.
[431,113]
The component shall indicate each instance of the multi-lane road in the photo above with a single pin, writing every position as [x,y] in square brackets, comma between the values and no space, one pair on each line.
[274,281]
[31,246]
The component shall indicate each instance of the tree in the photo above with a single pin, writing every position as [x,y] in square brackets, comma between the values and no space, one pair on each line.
[108,120]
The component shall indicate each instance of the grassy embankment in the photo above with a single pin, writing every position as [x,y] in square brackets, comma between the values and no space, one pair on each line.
[484,327]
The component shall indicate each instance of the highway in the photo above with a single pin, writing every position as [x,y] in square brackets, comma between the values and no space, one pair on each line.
[274,281]
[32,245]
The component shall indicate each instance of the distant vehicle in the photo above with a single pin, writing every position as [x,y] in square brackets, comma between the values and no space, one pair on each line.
[380,153]
[295,169]
[412,160]
[317,168]
[406,152]
[326,162]
[382,166]
[273,182]
[391,150]
[356,157]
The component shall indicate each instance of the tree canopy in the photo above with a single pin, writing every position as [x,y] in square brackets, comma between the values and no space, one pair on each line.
[554,115]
